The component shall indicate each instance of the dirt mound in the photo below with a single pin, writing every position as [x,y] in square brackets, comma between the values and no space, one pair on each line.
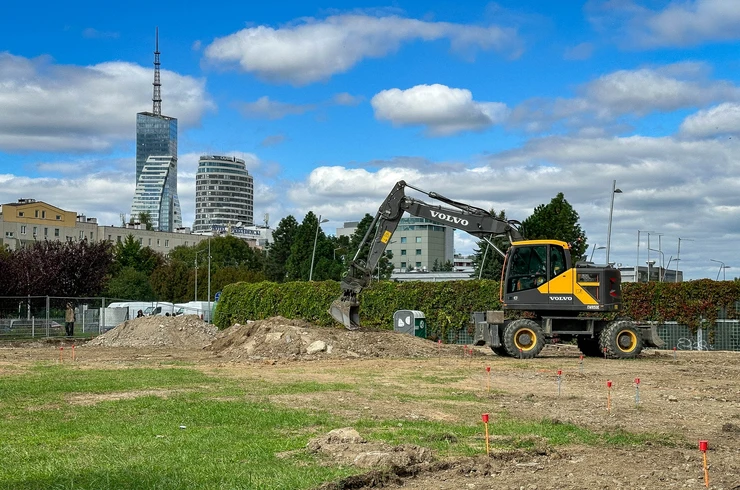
[180,332]
[281,338]
[346,446]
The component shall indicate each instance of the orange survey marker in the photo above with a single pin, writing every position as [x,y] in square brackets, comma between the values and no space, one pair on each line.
[485,422]
[609,396]
[488,370]
[703,446]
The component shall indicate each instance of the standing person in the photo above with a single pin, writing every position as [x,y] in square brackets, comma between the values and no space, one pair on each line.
[139,314]
[69,320]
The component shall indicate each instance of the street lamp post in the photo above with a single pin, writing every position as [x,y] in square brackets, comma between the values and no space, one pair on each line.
[722,268]
[315,239]
[649,264]
[611,212]
[209,276]
[637,263]
[660,264]
[594,250]
[678,255]
[196,273]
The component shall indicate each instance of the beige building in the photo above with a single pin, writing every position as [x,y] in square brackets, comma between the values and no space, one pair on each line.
[29,220]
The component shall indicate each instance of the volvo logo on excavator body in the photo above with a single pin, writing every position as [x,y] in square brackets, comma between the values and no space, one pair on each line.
[561,298]
[450,218]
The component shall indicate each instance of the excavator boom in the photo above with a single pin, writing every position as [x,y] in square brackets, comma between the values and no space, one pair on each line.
[474,220]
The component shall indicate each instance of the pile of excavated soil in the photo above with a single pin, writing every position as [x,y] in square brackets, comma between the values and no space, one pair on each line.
[282,338]
[180,332]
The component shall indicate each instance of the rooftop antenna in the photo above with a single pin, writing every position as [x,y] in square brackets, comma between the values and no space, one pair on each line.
[157,95]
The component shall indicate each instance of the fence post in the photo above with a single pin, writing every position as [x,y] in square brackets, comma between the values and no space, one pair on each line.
[101,321]
[33,327]
[47,317]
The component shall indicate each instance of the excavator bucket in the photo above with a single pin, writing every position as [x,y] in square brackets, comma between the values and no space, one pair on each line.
[346,312]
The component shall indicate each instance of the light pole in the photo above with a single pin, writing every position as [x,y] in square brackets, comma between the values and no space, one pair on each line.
[196,273]
[594,250]
[660,264]
[649,264]
[637,263]
[722,268]
[611,211]
[678,255]
[315,239]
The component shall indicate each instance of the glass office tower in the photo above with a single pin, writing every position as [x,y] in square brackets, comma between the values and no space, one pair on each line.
[155,135]
[156,194]
[224,193]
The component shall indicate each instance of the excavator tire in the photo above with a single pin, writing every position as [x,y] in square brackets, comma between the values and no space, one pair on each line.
[523,337]
[589,346]
[621,339]
[500,351]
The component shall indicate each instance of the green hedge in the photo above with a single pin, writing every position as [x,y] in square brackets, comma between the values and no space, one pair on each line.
[447,305]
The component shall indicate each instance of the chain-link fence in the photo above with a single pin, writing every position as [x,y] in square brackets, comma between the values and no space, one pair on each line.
[44,316]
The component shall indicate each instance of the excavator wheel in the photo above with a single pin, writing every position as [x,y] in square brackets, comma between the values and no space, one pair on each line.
[523,337]
[500,351]
[589,346]
[621,339]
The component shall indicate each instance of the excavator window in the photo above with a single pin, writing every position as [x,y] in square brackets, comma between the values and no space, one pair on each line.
[528,268]
[557,261]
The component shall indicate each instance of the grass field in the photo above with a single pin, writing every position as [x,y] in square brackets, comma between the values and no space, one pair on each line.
[174,427]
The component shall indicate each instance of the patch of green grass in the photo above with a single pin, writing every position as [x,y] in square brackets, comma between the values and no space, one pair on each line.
[138,443]
[294,388]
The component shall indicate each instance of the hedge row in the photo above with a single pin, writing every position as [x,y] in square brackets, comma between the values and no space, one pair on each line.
[447,305]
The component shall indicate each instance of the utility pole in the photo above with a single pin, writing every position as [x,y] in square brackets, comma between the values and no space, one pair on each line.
[678,255]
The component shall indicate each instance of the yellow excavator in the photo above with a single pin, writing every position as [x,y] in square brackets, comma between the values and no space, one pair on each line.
[538,277]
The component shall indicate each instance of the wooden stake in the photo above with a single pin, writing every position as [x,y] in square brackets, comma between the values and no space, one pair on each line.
[608,396]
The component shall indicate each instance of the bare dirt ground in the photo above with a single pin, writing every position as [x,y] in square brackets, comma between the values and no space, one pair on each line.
[694,396]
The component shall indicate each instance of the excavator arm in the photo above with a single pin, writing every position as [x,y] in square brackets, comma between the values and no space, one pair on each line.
[474,220]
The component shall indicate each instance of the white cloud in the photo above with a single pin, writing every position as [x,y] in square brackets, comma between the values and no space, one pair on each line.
[316,49]
[627,92]
[266,108]
[345,98]
[49,107]
[679,23]
[718,120]
[441,109]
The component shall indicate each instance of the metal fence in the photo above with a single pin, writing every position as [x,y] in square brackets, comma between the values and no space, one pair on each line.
[724,336]
[43,316]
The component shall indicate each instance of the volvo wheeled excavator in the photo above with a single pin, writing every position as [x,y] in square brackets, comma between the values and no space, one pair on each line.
[538,277]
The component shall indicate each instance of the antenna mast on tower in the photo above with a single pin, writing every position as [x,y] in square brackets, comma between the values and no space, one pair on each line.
[157,96]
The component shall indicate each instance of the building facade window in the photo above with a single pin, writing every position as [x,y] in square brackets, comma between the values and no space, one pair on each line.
[418,251]
[418,264]
[23,229]
[418,239]
[59,217]
[43,214]
[403,239]
[403,265]
[56,232]
[46,231]
[403,251]
[166,243]
[36,213]
[21,214]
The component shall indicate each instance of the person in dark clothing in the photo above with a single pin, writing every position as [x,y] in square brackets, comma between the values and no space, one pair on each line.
[69,320]
[139,314]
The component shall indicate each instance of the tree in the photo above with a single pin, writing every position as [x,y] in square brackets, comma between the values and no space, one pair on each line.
[278,252]
[556,221]
[487,258]
[298,267]
[130,253]
[145,219]
[170,282]
[130,284]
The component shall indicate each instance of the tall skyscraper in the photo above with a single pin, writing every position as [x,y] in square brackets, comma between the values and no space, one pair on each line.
[224,193]
[156,135]
[156,193]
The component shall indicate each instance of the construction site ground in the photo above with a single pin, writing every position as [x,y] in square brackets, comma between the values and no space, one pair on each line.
[683,398]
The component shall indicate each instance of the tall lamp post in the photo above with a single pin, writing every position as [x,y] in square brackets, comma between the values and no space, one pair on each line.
[594,250]
[315,239]
[722,268]
[611,212]
[637,263]
[678,255]
[196,273]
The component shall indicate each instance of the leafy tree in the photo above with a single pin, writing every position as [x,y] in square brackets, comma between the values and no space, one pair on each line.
[131,284]
[145,219]
[130,253]
[298,267]
[556,221]
[278,252]
[170,282]
[435,266]
[58,268]
[447,266]
[487,258]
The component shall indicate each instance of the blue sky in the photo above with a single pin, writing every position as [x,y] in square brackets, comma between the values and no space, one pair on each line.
[501,105]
